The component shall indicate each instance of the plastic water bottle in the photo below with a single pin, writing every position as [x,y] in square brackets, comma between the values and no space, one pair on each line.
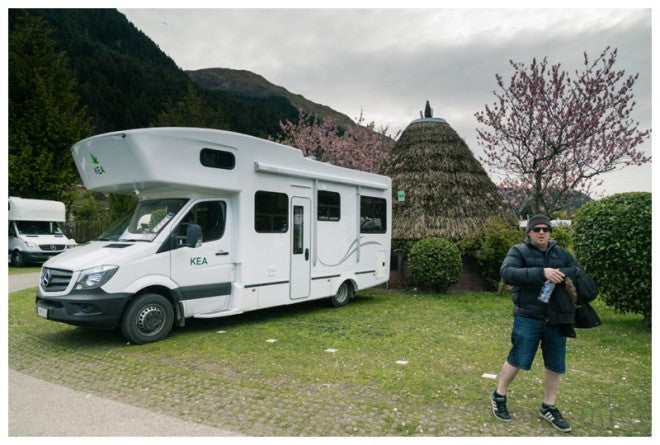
[548,287]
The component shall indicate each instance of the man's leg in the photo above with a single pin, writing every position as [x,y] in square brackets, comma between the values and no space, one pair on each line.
[554,356]
[525,338]
[507,375]
[498,398]
[550,386]
[548,410]
[554,359]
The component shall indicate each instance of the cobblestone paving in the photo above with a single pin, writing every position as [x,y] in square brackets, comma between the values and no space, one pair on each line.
[256,390]
[223,397]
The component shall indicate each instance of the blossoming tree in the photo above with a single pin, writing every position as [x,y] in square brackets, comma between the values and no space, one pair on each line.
[550,133]
[361,148]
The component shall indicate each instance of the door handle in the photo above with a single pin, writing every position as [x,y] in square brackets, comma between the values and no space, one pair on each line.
[306,254]
[221,252]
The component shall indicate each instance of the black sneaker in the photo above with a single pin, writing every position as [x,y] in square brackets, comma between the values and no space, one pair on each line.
[552,415]
[499,407]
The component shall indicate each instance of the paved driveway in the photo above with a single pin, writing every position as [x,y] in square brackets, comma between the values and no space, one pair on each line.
[23,281]
[40,408]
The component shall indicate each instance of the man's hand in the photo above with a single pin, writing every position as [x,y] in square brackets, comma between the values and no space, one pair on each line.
[554,275]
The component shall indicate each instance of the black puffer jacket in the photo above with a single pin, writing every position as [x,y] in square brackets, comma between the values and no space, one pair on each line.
[523,270]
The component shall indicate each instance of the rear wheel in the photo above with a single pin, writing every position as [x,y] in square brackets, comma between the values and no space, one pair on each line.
[148,318]
[343,295]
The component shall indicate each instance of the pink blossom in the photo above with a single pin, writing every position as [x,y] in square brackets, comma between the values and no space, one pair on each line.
[361,148]
[550,133]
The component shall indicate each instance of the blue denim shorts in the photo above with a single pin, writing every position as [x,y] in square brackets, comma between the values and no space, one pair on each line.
[527,334]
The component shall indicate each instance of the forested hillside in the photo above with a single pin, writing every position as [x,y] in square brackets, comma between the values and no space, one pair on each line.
[78,72]
[126,81]
[248,84]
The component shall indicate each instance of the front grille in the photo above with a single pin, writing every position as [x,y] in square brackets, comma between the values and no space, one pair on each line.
[55,280]
[53,247]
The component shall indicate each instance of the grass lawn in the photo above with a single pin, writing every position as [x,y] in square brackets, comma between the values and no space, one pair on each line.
[334,372]
[20,270]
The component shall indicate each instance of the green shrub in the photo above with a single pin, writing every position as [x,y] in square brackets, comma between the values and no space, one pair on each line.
[402,244]
[612,240]
[435,262]
[490,245]
[564,237]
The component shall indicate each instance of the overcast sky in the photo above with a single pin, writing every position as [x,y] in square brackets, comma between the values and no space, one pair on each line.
[389,62]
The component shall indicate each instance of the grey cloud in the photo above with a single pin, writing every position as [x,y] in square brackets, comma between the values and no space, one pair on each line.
[389,62]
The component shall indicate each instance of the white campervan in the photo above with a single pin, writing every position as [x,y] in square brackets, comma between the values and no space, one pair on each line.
[225,223]
[34,230]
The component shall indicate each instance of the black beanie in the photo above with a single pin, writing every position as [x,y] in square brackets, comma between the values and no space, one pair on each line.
[537,219]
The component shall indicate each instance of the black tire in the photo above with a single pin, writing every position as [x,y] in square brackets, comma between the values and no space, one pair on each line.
[343,295]
[17,259]
[148,318]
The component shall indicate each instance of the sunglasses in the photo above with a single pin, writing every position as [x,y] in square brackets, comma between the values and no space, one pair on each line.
[542,229]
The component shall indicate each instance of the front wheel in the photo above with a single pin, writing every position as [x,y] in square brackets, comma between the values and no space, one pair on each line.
[17,259]
[343,295]
[148,318]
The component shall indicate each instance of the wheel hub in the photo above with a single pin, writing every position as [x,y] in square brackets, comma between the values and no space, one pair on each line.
[150,319]
[342,293]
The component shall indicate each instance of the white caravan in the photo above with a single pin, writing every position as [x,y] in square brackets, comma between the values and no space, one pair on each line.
[34,230]
[226,223]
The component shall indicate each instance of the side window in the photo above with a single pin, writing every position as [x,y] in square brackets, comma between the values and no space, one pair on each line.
[373,215]
[271,212]
[298,229]
[210,216]
[12,232]
[329,206]
[217,159]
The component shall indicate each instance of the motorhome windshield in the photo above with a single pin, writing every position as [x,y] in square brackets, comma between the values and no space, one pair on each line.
[38,228]
[145,221]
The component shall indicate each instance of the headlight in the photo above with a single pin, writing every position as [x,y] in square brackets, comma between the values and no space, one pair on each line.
[31,246]
[95,277]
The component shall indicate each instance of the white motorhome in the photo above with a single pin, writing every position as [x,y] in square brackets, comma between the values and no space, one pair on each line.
[34,230]
[226,223]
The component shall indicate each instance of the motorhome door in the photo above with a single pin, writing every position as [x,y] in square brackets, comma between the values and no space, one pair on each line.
[300,248]
[204,273]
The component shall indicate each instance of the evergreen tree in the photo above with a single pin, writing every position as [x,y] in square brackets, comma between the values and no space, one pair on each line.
[45,118]
[120,205]
[124,79]
[190,111]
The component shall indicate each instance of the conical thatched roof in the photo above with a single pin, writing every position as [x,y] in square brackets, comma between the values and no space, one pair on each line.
[447,192]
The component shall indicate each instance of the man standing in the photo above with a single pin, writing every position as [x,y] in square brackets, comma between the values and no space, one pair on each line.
[527,267]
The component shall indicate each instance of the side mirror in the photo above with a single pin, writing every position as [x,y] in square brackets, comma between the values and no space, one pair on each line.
[193,235]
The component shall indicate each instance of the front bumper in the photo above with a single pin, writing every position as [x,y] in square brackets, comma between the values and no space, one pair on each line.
[37,256]
[92,309]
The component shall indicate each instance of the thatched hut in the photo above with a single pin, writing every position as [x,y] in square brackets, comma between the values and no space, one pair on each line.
[447,192]
[440,189]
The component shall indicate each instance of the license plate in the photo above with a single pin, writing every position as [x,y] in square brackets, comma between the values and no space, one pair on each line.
[42,312]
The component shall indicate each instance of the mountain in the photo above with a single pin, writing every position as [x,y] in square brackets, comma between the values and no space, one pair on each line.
[574,201]
[123,78]
[248,84]
[126,81]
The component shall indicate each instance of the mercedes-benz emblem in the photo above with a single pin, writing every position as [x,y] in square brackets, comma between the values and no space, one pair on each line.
[45,278]
[52,247]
